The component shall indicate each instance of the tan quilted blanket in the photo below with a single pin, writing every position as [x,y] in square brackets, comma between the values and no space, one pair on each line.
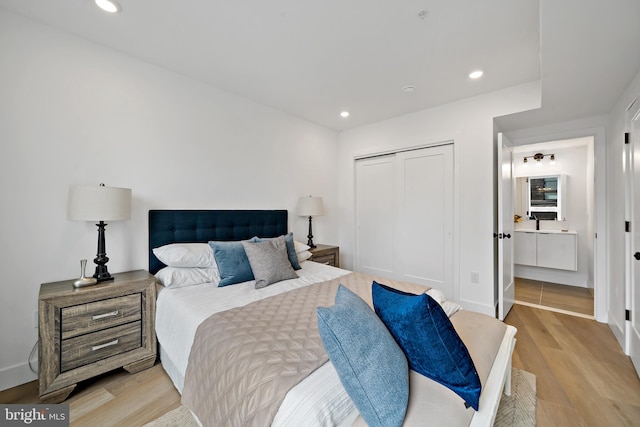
[243,361]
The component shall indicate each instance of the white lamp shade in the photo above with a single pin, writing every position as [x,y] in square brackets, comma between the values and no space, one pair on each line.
[99,203]
[310,206]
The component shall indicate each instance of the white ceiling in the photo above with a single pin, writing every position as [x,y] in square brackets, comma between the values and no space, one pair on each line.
[315,59]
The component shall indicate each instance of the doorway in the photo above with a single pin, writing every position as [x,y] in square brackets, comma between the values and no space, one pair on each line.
[568,289]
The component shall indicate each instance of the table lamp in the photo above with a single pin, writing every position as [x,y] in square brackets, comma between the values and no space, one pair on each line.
[99,203]
[310,206]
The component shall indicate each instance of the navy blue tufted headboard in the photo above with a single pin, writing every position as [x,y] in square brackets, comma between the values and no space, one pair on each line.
[192,226]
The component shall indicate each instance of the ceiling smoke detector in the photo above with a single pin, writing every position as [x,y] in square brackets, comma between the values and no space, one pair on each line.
[409,89]
[423,13]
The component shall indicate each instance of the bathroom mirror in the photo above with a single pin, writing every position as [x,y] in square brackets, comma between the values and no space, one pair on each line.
[541,197]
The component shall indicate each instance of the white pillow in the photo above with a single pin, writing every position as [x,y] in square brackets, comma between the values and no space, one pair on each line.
[449,307]
[189,255]
[178,277]
[304,255]
[300,247]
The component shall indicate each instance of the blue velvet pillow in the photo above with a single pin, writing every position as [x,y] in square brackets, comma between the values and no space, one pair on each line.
[232,261]
[291,249]
[429,340]
[371,366]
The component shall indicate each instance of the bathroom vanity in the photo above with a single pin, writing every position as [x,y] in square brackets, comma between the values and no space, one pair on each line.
[546,248]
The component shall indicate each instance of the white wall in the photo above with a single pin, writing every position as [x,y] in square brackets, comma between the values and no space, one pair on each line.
[469,124]
[573,162]
[73,112]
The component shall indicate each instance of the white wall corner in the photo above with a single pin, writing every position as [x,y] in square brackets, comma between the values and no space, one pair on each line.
[16,375]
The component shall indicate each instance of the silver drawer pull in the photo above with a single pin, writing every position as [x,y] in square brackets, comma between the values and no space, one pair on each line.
[102,316]
[109,344]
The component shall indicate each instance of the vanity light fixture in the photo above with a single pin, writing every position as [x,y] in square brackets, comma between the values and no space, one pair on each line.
[110,6]
[538,158]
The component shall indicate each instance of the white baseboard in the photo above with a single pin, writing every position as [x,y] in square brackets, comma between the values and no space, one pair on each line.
[16,375]
[479,308]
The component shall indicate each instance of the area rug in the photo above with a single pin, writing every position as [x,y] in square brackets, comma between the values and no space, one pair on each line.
[517,410]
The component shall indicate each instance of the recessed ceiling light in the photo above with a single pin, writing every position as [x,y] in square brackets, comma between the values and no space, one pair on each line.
[108,5]
[344,114]
[476,74]
[409,89]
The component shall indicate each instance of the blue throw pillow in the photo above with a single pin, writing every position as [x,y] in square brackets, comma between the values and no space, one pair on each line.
[291,249]
[232,261]
[429,340]
[371,366]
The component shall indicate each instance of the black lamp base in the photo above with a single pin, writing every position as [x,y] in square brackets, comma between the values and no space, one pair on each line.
[102,274]
[310,236]
[101,259]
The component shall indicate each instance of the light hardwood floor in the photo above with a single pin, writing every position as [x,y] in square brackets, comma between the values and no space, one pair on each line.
[583,379]
[562,298]
[582,376]
[114,399]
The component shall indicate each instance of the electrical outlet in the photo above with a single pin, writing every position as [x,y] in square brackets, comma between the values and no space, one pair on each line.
[475,277]
[35,319]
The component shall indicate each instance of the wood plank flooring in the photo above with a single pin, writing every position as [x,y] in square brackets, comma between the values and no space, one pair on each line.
[582,376]
[562,298]
[113,399]
[583,379]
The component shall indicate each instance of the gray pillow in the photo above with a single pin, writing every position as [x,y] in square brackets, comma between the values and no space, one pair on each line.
[269,261]
[371,366]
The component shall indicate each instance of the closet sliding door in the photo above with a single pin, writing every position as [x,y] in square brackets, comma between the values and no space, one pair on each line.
[405,217]
[375,195]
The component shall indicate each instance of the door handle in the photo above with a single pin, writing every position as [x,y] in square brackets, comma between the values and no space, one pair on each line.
[637,256]
[507,236]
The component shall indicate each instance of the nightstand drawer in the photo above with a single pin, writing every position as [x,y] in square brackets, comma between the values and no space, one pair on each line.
[99,345]
[325,259]
[85,318]
[326,254]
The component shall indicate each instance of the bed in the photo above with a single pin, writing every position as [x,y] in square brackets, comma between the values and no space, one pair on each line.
[318,398]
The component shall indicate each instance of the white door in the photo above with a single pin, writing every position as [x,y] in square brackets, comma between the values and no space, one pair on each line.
[375,197]
[404,217]
[424,209]
[506,189]
[634,291]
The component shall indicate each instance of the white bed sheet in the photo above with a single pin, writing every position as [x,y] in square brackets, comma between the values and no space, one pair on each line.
[179,312]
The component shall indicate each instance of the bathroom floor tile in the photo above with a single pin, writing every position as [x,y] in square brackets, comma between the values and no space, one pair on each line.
[555,296]
[570,298]
[528,290]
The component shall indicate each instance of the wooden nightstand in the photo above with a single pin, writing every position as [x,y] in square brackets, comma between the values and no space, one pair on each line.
[88,331]
[326,254]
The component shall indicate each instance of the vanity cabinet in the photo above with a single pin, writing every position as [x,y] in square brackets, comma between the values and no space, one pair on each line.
[548,249]
[557,250]
[524,248]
